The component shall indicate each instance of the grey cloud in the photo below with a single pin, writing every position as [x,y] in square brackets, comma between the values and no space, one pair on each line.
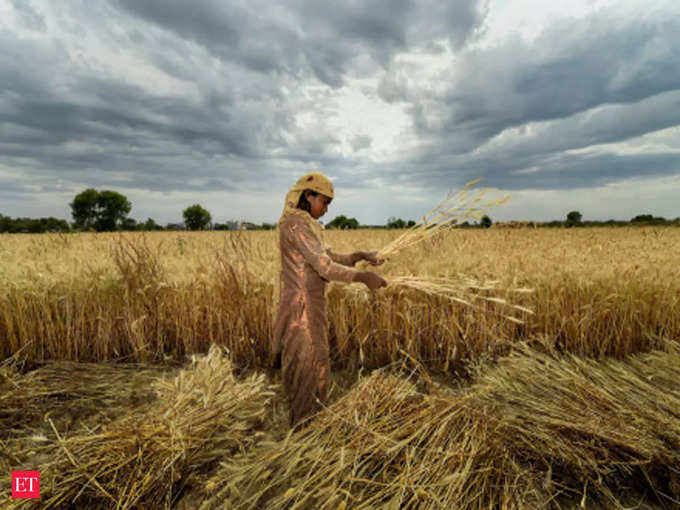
[558,171]
[29,17]
[101,129]
[109,121]
[10,188]
[606,124]
[571,68]
[330,40]
[361,142]
[515,114]
[582,171]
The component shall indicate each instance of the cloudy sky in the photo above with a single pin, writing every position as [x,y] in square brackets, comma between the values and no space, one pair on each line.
[564,105]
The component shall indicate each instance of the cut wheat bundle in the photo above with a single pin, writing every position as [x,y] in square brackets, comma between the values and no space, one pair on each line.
[536,432]
[65,390]
[141,461]
[595,428]
[384,445]
[460,289]
[463,290]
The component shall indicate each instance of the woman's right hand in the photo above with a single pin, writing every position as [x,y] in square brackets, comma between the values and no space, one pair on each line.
[372,258]
[371,280]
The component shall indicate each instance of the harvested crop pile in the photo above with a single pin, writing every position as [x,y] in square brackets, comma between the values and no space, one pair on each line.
[144,461]
[383,444]
[595,427]
[68,391]
[535,431]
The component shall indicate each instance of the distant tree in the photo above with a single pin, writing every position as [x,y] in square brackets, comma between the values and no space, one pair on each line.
[574,219]
[343,222]
[410,224]
[393,222]
[5,223]
[150,224]
[102,210]
[84,208]
[642,218]
[112,210]
[337,222]
[33,226]
[268,226]
[53,224]
[129,224]
[648,218]
[29,225]
[196,217]
[485,222]
[351,223]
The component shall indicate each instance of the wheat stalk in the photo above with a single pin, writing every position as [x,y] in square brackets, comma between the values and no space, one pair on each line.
[454,208]
[463,289]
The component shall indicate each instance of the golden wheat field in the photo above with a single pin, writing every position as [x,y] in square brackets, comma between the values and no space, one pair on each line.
[135,373]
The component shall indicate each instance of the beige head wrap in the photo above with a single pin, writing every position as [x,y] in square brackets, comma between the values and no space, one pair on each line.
[315,181]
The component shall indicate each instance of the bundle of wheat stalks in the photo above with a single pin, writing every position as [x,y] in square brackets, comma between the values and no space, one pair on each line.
[464,290]
[534,432]
[454,208]
[459,288]
[141,461]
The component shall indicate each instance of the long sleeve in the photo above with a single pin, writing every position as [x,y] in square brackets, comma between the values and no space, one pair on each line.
[314,254]
[346,259]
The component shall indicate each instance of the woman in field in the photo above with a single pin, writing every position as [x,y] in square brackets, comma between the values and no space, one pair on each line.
[301,328]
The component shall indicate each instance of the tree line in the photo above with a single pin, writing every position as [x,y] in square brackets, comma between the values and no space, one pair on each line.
[107,211]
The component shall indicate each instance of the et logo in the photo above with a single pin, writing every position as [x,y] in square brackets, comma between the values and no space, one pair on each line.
[25,484]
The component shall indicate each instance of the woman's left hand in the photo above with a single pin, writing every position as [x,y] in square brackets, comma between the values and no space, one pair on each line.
[372,258]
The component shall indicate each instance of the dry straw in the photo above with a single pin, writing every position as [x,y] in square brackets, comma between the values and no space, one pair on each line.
[463,290]
[144,460]
[71,395]
[456,207]
[93,389]
[538,431]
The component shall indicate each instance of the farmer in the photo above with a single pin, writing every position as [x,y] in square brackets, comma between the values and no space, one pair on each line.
[301,330]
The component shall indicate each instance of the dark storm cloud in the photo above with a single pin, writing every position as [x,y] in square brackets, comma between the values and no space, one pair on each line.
[542,155]
[328,39]
[581,83]
[569,69]
[561,171]
[119,107]
[103,131]
[607,124]
[60,117]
